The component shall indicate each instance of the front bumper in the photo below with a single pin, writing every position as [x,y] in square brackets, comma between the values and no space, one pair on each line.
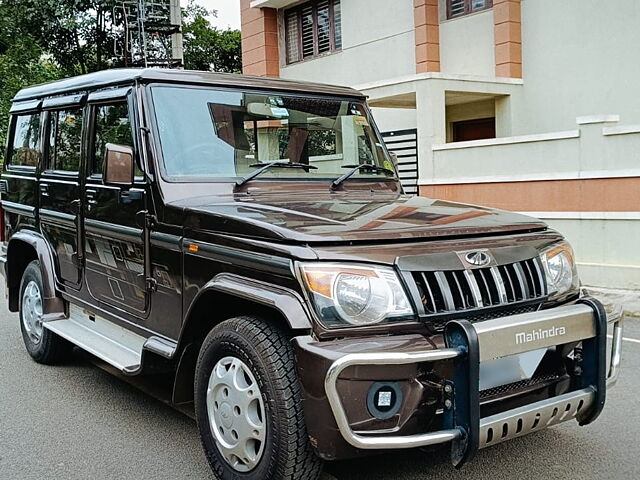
[466,345]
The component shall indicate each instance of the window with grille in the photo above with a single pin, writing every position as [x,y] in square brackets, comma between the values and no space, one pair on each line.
[313,28]
[458,8]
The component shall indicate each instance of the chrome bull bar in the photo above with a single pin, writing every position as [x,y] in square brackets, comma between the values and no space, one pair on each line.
[469,344]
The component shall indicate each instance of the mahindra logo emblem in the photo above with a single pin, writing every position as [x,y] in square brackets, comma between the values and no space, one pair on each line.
[479,259]
[539,334]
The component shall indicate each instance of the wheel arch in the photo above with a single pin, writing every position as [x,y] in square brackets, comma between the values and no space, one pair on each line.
[232,295]
[24,247]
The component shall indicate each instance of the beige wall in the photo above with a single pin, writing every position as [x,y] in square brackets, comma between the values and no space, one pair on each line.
[466,45]
[378,42]
[580,57]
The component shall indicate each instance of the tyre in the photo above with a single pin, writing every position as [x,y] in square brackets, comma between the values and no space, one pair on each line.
[43,345]
[248,406]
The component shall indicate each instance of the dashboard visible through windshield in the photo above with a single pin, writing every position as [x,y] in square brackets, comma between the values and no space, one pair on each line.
[219,134]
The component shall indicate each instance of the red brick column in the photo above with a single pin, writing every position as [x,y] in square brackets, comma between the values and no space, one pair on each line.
[259,40]
[427,33]
[508,38]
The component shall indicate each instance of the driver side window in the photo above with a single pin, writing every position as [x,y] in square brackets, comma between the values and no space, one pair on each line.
[111,125]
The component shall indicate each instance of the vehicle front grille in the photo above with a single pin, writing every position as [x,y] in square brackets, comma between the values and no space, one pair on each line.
[481,293]
[536,380]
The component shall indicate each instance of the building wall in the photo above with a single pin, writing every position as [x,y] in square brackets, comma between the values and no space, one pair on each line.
[580,57]
[466,45]
[376,45]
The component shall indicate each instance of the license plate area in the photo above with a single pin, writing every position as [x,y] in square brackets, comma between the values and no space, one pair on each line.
[510,369]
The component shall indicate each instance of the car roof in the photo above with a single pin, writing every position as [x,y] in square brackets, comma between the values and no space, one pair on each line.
[127,76]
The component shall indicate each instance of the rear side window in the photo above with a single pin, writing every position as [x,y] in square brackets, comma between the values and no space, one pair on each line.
[25,149]
[112,125]
[65,139]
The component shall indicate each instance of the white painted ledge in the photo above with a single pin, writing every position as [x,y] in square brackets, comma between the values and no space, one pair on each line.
[590,119]
[621,130]
[585,215]
[489,142]
[440,76]
[272,3]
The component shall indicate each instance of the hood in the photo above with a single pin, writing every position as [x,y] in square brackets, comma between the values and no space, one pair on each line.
[334,218]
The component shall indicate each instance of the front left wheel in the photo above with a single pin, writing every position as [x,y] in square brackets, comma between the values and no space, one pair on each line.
[248,406]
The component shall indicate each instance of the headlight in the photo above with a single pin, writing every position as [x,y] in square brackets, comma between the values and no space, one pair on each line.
[560,269]
[345,295]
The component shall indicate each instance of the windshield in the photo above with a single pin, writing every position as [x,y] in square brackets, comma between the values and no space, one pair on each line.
[208,134]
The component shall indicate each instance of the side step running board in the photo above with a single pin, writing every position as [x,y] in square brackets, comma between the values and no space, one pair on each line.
[107,341]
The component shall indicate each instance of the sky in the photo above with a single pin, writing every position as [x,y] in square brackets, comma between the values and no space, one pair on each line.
[228,12]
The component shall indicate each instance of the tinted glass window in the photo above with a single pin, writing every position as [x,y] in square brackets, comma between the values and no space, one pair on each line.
[112,125]
[26,141]
[65,139]
[209,133]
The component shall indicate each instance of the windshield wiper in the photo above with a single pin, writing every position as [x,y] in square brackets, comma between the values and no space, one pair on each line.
[356,168]
[266,166]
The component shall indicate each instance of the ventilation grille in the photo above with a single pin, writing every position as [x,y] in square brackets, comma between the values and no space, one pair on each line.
[472,291]
[535,381]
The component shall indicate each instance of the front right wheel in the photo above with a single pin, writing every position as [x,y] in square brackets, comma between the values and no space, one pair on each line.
[248,405]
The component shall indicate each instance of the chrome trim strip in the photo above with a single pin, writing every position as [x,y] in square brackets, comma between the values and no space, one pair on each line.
[19,208]
[55,215]
[535,416]
[616,353]
[384,442]
[522,279]
[475,289]
[446,291]
[502,290]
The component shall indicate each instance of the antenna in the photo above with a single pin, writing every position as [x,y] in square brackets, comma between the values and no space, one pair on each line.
[151,32]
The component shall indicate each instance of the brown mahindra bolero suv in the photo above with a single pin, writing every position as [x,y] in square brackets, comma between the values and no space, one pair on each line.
[248,239]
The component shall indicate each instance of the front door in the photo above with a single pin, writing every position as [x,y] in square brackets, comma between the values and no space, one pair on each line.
[114,248]
[59,190]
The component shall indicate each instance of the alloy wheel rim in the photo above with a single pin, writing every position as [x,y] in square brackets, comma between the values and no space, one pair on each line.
[236,413]
[32,311]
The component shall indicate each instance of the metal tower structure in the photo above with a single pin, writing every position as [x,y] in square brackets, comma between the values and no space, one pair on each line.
[151,33]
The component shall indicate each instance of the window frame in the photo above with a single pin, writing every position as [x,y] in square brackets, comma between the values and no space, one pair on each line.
[467,9]
[92,116]
[11,140]
[314,13]
[49,160]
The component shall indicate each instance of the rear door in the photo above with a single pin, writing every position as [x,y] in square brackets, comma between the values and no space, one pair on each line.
[114,248]
[59,188]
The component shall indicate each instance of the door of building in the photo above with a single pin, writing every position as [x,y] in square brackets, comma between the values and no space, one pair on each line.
[474,129]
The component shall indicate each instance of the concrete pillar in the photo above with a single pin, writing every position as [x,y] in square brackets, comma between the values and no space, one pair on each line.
[260,54]
[427,35]
[507,38]
[431,125]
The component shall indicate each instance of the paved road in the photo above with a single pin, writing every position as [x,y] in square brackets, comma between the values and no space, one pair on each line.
[75,421]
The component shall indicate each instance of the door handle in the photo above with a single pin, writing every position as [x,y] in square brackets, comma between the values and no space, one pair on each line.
[44,189]
[75,205]
[91,196]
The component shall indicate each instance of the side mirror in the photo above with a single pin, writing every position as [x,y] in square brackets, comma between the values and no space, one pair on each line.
[118,165]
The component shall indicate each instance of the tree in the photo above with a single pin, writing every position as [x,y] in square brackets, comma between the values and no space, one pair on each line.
[43,40]
[206,47]
[21,64]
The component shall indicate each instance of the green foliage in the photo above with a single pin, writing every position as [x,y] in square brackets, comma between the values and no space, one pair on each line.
[43,40]
[206,47]
[21,64]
